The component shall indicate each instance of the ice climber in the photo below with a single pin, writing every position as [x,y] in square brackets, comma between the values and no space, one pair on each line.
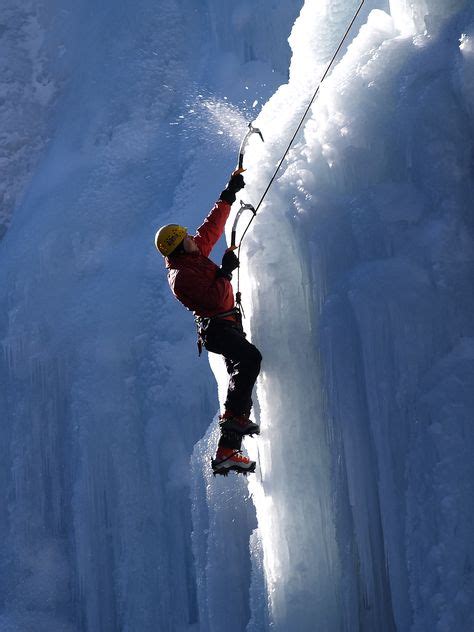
[205,289]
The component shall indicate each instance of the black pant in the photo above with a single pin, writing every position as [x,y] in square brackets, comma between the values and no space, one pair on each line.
[242,360]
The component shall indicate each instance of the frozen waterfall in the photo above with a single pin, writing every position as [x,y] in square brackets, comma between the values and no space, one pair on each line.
[357,279]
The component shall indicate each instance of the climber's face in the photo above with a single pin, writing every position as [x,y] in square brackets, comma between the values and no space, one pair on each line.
[189,245]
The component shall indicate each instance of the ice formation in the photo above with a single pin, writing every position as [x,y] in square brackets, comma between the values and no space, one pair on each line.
[357,283]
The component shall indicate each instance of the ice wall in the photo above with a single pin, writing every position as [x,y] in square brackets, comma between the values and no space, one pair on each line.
[357,281]
[112,125]
[27,93]
[358,272]
[85,368]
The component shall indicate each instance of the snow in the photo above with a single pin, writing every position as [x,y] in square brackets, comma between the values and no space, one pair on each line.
[357,286]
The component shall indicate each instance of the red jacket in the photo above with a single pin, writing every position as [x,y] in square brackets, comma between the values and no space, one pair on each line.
[193,277]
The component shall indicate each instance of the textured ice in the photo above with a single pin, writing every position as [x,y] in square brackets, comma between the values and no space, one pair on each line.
[366,243]
[357,282]
[102,395]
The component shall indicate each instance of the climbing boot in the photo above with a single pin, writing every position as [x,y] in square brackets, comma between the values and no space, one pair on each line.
[228,460]
[238,423]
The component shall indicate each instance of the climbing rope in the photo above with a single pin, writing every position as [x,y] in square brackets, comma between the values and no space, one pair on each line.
[255,210]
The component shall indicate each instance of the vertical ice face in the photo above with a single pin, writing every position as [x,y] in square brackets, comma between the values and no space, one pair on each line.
[223,521]
[357,272]
[357,277]
[97,426]
[253,33]
[422,15]
[103,397]
[27,95]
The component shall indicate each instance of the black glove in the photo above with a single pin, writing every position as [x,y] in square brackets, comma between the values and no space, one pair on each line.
[235,184]
[230,262]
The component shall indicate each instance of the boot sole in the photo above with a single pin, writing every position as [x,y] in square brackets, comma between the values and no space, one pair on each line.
[224,471]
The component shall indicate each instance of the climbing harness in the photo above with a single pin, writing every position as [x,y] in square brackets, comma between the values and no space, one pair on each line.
[203,322]
[253,130]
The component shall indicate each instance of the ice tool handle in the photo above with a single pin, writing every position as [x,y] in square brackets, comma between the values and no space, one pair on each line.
[243,145]
[243,207]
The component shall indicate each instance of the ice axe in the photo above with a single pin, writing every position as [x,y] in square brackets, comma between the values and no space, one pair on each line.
[243,207]
[243,144]
[240,167]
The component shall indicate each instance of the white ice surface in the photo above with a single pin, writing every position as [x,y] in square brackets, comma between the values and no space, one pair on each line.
[115,118]
[357,279]
[358,274]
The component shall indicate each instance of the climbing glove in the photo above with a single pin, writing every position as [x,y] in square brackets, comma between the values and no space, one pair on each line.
[235,184]
[230,262]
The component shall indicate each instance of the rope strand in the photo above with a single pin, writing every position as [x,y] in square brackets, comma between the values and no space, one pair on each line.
[296,133]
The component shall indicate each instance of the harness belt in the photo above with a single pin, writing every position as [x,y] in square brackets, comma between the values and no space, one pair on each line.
[203,322]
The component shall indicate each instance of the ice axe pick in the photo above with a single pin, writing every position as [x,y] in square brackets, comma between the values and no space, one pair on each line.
[245,140]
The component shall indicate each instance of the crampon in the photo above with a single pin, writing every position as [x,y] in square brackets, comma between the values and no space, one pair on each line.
[228,460]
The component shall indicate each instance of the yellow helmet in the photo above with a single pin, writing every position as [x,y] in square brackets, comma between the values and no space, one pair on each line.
[169,237]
